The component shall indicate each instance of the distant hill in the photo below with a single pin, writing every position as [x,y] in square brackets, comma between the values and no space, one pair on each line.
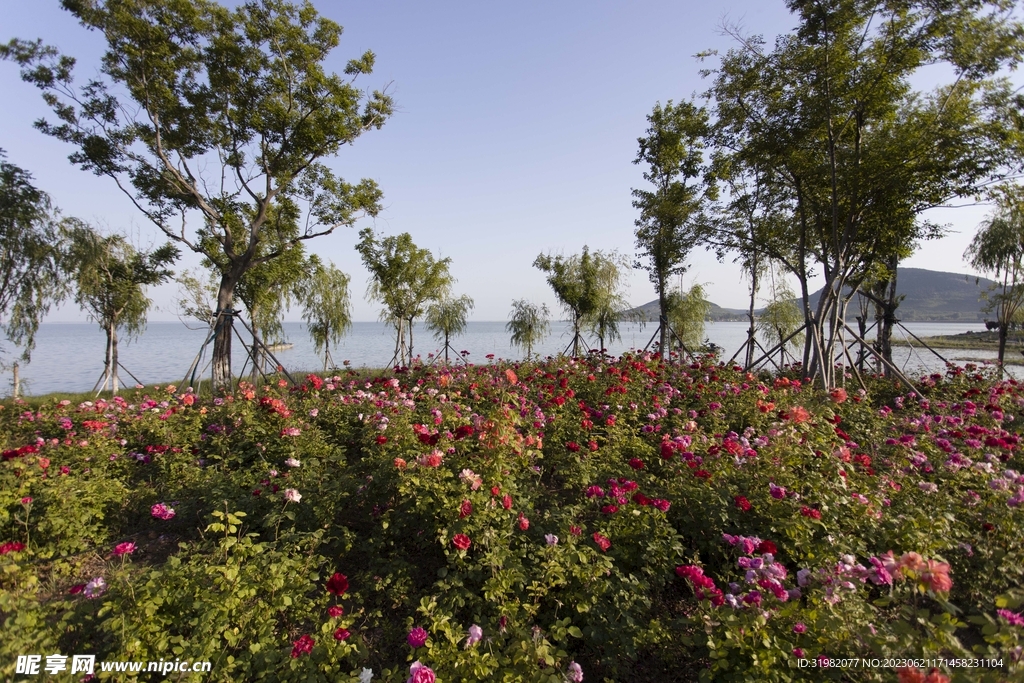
[930,296]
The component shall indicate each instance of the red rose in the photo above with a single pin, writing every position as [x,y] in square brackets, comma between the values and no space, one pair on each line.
[337,584]
[466,509]
[461,541]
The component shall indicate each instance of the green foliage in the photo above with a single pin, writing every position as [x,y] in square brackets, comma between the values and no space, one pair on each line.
[226,112]
[672,220]
[998,248]
[527,324]
[326,305]
[109,275]
[781,317]
[448,317]
[687,314]
[30,279]
[404,278]
[468,498]
[588,286]
[827,124]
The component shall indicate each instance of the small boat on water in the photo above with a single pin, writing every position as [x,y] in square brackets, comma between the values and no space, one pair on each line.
[279,346]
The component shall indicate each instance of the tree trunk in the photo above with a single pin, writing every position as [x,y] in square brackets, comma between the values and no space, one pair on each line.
[107,369]
[112,335]
[889,320]
[223,329]
[410,342]
[751,330]
[16,381]
[663,338]
[399,341]
[1004,326]
[575,336]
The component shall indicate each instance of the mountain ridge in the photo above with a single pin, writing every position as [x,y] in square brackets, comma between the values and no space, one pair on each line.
[930,296]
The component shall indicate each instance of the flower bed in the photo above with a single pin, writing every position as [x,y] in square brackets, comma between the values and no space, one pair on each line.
[567,520]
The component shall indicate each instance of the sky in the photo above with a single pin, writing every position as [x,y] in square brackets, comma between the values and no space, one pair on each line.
[515,132]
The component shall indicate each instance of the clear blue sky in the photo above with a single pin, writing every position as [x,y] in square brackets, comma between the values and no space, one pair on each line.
[515,132]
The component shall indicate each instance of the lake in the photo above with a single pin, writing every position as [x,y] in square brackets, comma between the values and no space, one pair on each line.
[69,356]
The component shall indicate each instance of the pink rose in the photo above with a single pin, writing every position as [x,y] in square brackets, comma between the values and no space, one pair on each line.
[420,673]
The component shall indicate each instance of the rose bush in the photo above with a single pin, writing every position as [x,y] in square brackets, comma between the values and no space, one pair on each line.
[572,519]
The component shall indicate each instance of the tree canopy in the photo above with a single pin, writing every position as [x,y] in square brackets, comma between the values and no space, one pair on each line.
[404,278]
[448,317]
[326,305]
[672,220]
[200,111]
[30,276]
[587,285]
[527,324]
[829,118]
[998,248]
[109,275]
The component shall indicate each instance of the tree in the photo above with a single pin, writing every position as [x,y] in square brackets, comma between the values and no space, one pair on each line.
[326,305]
[266,289]
[404,278]
[781,318]
[109,276]
[856,152]
[197,296]
[528,324]
[671,219]
[587,285]
[998,248]
[448,317]
[611,302]
[687,314]
[30,277]
[227,114]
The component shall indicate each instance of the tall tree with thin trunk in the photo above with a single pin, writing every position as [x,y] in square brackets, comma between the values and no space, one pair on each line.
[216,116]
[109,277]
[586,284]
[671,219]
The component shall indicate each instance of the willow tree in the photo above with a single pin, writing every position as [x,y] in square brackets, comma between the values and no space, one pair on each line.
[326,305]
[527,325]
[214,116]
[30,274]
[404,278]
[448,317]
[672,220]
[856,152]
[998,248]
[687,314]
[109,276]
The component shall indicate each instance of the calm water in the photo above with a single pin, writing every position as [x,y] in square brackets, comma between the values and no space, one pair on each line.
[69,356]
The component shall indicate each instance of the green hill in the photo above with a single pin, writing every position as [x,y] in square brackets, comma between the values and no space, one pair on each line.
[930,296]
